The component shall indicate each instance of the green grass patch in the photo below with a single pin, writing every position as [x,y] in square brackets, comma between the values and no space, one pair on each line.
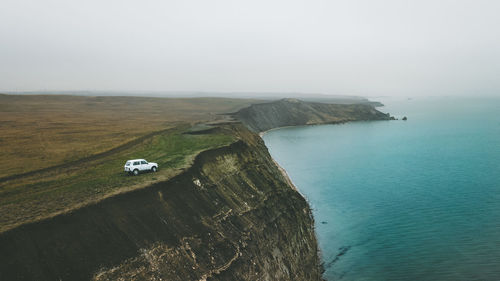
[34,198]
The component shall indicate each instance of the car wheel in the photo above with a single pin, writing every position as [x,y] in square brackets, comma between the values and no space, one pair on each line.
[136,172]
[154,169]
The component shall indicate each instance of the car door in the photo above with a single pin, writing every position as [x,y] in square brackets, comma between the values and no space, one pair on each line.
[144,165]
[137,165]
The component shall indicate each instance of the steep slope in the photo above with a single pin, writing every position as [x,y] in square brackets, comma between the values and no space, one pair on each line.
[292,112]
[231,216]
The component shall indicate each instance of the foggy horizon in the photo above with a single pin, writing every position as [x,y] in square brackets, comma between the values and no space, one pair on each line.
[357,48]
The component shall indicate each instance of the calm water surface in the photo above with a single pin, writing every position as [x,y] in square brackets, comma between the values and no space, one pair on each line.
[396,200]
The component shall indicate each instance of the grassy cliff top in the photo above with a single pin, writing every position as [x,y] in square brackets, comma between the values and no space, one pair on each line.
[68,151]
[64,188]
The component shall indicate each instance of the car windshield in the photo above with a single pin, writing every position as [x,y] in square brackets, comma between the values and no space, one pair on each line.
[127,164]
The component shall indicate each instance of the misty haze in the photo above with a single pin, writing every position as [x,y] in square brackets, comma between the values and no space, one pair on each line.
[364,48]
[249,140]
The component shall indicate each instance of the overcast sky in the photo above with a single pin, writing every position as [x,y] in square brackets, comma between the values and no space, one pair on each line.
[366,47]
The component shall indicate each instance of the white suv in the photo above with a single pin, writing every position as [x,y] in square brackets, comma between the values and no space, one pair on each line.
[137,166]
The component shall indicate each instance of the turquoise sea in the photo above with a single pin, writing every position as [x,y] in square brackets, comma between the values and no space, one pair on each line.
[403,200]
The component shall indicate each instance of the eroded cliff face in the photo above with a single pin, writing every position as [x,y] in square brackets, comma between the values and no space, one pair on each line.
[231,216]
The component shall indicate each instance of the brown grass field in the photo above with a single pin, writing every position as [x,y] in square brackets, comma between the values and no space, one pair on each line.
[64,152]
[43,131]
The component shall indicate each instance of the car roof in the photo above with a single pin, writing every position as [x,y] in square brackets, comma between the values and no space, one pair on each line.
[136,160]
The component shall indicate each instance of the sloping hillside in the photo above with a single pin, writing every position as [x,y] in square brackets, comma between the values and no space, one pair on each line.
[292,112]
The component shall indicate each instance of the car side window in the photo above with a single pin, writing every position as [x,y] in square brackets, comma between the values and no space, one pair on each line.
[144,162]
[137,163]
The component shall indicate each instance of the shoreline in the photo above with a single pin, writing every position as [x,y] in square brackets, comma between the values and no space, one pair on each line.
[292,184]
[287,178]
[261,134]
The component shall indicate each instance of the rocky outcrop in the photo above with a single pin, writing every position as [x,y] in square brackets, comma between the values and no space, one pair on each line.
[292,112]
[231,216]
